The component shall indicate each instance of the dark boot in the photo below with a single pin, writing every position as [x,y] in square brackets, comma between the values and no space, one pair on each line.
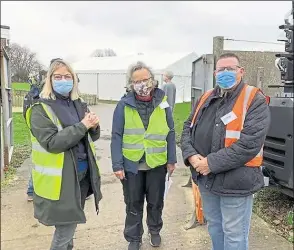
[134,245]
[155,240]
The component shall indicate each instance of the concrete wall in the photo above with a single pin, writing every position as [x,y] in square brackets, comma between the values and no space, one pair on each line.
[259,66]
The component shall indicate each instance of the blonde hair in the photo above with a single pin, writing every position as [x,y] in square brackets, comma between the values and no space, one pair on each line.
[47,91]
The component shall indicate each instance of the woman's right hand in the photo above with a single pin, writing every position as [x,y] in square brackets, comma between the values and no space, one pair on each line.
[120,174]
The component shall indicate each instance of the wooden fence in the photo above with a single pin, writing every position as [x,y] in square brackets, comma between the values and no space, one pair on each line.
[18,96]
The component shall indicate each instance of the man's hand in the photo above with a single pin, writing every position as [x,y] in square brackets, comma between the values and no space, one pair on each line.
[195,159]
[202,167]
[120,174]
[171,168]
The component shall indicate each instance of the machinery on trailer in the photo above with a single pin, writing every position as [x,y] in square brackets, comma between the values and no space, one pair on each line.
[278,162]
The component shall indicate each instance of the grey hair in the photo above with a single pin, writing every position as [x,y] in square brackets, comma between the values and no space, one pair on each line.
[134,67]
[169,75]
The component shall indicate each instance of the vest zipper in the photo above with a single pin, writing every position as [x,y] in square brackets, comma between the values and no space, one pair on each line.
[77,178]
[91,175]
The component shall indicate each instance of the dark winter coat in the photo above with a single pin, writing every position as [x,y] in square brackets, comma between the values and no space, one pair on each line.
[69,208]
[229,176]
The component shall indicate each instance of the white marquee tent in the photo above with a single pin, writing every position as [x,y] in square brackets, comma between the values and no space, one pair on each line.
[106,76]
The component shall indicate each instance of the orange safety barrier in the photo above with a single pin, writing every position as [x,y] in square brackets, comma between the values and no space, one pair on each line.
[198,204]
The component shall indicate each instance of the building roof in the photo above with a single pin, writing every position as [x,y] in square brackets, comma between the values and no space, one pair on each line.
[156,62]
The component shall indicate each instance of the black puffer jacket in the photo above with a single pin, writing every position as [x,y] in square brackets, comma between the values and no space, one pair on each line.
[229,176]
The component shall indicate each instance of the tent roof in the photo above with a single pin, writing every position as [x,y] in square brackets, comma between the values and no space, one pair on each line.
[156,62]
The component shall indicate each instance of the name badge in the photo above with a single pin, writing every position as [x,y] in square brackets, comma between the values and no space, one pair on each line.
[164,105]
[229,118]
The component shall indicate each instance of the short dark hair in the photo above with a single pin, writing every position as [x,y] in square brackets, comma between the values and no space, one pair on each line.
[229,54]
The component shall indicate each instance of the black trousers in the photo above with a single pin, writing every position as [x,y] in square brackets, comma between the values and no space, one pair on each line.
[150,183]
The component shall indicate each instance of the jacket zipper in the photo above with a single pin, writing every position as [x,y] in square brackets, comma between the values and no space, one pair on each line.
[91,174]
[77,177]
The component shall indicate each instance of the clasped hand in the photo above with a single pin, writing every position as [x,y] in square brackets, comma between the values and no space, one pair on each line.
[200,164]
[90,120]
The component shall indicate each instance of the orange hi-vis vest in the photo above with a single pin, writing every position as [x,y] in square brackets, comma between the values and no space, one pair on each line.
[234,128]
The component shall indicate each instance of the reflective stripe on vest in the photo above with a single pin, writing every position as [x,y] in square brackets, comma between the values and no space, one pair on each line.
[47,169]
[234,128]
[137,141]
[202,100]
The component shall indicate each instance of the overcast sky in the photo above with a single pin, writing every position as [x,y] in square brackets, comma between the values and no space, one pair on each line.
[72,30]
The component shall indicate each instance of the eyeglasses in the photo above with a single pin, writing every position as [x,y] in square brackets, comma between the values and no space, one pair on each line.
[59,77]
[229,68]
[142,81]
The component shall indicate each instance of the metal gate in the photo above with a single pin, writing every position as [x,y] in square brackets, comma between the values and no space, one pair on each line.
[6,112]
[202,76]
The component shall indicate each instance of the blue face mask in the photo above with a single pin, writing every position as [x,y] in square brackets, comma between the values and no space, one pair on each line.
[63,87]
[226,79]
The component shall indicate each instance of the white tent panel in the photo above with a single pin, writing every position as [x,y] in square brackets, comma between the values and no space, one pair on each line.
[88,83]
[111,86]
[110,73]
[156,62]
[183,66]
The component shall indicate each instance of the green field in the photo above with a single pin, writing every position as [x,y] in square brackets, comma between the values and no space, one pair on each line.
[181,113]
[21,134]
[20,86]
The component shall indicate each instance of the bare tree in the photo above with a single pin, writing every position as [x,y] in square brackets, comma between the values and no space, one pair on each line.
[103,53]
[23,62]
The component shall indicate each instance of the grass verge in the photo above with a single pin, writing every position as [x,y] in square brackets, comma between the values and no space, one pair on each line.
[22,147]
[181,114]
[276,209]
[21,86]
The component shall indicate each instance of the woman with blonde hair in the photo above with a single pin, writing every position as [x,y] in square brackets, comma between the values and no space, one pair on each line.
[65,170]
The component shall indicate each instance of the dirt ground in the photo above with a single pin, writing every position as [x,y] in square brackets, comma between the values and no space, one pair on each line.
[19,230]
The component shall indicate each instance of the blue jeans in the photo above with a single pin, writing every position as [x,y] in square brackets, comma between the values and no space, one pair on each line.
[228,220]
[30,190]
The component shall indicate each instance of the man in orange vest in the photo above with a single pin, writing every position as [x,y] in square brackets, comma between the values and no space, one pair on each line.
[222,143]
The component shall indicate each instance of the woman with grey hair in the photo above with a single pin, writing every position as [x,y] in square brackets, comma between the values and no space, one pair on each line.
[143,150]
[65,170]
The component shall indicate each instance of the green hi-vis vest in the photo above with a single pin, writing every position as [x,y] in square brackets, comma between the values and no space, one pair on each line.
[47,169]
[137,141]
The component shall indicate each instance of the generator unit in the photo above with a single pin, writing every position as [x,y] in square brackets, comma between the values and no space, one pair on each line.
[278,162]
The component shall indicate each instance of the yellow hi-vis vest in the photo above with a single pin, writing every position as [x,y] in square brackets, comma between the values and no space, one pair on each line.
[152,142]
[47,169]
